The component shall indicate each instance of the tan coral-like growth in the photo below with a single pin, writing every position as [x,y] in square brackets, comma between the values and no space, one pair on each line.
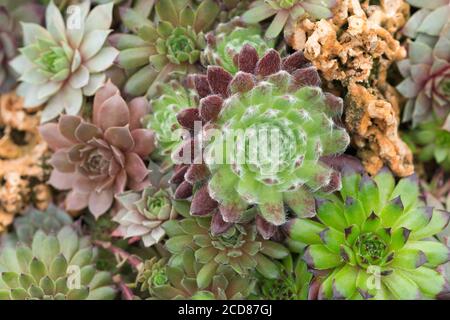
[374,124]
[356,48]
[21,157]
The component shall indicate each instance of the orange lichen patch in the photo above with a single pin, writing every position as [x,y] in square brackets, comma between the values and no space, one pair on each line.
[21,157]
[373,122]
[356,48]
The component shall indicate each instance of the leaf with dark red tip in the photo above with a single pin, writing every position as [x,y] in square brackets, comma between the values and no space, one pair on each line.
[202,203]
[247,59]
[269,64]
[183,191]
[335,104]
[178,176]
[219,79]
[187,117]
[265,229]
[196,173]
[294,61]
[218,225]
[307,77]
[242,82]
[210,107]
[202,85]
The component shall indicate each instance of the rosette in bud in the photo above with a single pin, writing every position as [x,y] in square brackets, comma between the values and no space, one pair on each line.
[96,160]
[286,12]
[177,279]
[61,64]
[227,40]
[265,130]
[374,240]
[239,247]
[59,267]
[163,118]
[155,51]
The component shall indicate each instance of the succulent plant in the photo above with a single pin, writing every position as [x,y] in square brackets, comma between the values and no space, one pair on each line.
[143,213]
[154,52]
[96,160]
[292,285]
[374,240]
[427,78]
[427,23]
[232,8]
[227,40]
[286,12]
[163,121]
[11,12]
[239,247]
[274,123]
[431,140]
[60,266]
[177,279]
[60,65]
[49,221]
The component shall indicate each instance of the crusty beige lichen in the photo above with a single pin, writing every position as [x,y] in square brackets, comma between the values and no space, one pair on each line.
[356,48]
[373,123]
[21,157]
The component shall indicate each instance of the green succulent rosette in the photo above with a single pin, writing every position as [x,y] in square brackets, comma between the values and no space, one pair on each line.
[375,240]
[59,267]
[431,140]
[293,284]
[239,247]
[62,64]
[163,121]
[158,50]
[227,40]
[268,149]
[176,278]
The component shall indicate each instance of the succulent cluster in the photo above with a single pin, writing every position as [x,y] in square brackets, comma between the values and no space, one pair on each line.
[98,159]
[59,267]
[374,240]
[200,149]
[171,46]
[269,98]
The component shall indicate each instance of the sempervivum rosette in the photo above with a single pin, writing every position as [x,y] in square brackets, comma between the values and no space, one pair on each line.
[269,98]
[227,40]
[375,240]
[286,13]
[172,45]
[11,12]
[46,269]
[64,62]
[427,78]
[239,248]
[177,279]
[98,159]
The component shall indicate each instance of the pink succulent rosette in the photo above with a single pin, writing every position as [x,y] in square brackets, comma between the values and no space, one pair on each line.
[96,160]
